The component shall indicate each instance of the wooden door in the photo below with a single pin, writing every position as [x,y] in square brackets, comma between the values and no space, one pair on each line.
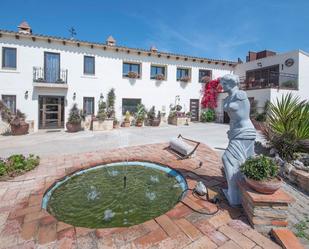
[194,109]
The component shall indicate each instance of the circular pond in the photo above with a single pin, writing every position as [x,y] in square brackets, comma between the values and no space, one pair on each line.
[115,195]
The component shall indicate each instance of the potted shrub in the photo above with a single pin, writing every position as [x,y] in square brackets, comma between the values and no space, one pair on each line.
[74,120]
[132,75]
[17,121]
[126,122]
[261,174]
[153,118]
[208,115]
[111,103]
[115,123]
[101,122]
[140,115]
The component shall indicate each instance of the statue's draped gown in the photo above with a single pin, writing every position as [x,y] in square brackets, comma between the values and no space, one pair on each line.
[241,141]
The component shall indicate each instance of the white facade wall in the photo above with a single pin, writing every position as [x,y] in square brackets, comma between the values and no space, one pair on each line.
[108,74]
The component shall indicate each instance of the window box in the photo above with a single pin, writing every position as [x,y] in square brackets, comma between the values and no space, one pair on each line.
[132,75]
[185,79]
[160,77]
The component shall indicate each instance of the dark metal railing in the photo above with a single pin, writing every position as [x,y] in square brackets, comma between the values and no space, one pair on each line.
[275,80]
[44,75]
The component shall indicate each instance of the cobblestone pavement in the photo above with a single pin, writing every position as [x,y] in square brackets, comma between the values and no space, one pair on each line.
[24,224]
[299,211]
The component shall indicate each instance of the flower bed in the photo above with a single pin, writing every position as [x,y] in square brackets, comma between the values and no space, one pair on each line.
[17,165]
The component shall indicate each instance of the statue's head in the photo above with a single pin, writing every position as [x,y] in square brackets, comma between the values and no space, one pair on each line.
[229,81]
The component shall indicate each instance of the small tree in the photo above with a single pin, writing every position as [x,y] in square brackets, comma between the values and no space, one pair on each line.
[75,115]
[111,103]
[102,115]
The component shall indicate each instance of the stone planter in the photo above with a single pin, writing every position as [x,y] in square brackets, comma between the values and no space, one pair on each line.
[21,129]
[155,122]
[178,120]
[105,125]
[73,127]
[265,187]
[115,125]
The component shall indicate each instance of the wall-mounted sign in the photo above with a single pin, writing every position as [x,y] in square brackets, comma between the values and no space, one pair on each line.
[289,62]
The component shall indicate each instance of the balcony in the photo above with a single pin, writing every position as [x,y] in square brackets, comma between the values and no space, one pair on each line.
[274,80]
[55,78]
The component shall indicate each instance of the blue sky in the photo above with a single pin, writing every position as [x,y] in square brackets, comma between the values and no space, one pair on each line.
[221,29]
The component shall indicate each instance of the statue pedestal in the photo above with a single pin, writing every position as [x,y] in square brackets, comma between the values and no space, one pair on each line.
[265,212]
[234,202]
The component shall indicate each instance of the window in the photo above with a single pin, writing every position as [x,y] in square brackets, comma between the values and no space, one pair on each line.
[131,70]
[10,102]
[263,77]
[9,58]
[183,74]
[130,105]
[88,105]
[157,72]
[204,75]
[89,65]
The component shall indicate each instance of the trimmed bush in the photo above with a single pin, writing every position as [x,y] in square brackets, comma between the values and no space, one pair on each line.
[260,168]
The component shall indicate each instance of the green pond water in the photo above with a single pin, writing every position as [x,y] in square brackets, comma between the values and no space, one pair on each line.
[100,198]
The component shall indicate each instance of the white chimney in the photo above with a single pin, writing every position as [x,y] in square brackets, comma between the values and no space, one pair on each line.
[110,41]
[24,28]
[153,49]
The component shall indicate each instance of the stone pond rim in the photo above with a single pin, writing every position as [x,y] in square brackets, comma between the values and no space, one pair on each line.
[153,189]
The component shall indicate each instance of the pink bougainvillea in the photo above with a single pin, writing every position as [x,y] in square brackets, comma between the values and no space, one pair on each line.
[210,94]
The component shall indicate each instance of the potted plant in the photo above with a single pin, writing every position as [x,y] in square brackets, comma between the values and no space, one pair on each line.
[153,119]
[74,120]
[115,123]
[127,122]
[140,115]
[261,174]
[132,75]
[17,121]
[101,122]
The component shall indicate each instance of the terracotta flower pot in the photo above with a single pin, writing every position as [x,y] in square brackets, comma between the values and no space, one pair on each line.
[73,127]
[21,129]
[126,124]
[258,125]
[139,124]
[265,187]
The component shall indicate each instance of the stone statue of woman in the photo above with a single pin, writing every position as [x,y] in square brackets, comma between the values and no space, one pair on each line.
[241,135]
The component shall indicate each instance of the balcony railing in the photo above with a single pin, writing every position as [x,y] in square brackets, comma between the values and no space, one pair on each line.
[275,80]
[44,75]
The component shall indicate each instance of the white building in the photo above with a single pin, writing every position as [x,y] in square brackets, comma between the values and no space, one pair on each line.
[267,76]
[43,76]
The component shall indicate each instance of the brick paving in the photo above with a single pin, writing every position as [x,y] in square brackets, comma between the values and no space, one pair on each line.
[23,224]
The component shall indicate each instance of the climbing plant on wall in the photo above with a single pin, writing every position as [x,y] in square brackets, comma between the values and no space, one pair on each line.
[210,94]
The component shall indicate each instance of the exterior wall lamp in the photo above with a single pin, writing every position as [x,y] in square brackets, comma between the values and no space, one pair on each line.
[74,95]
[259,64]
[26,94]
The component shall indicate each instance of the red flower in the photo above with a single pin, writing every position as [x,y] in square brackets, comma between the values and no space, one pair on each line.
[211,90]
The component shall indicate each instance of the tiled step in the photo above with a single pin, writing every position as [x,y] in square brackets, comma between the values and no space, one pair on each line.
[286,239]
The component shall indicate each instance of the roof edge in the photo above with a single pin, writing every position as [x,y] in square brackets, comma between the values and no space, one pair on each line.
[158,53]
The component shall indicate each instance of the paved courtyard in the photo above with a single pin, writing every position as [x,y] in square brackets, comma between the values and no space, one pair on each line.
[61,142]
[24,224]
[62,152]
